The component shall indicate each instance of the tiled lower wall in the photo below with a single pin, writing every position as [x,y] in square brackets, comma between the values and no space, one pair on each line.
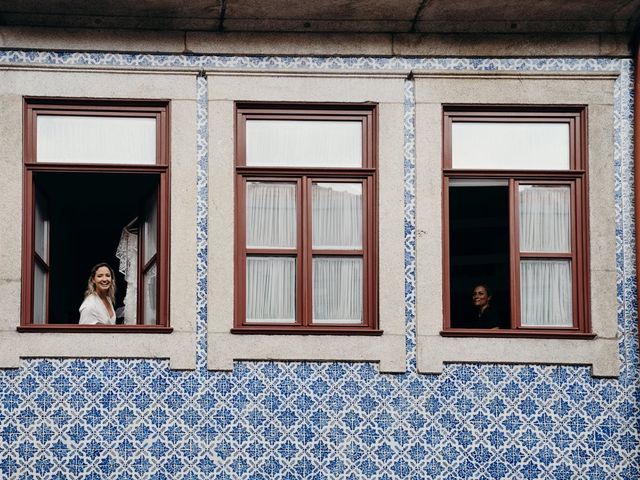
[137,419]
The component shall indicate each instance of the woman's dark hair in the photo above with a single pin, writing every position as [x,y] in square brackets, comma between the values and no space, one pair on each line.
[486,288]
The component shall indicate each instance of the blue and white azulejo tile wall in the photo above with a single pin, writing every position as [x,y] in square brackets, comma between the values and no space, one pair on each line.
[137,419]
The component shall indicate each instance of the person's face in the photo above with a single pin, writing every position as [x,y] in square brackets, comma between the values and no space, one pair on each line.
[102,279]
[480,297]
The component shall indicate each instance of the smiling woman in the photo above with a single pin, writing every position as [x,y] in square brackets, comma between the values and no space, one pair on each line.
[97,306]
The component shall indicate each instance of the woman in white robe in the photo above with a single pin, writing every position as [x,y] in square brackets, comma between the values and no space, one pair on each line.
[97,307]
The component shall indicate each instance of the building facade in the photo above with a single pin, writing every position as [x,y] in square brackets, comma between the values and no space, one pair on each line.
[201,392]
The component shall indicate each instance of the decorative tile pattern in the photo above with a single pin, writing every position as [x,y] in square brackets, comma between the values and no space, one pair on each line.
[136,419]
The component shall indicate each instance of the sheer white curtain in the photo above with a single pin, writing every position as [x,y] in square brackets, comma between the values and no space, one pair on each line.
[271,215]
[337,290]
[337,215]
[545,292]
[150,295]
[271,289]
[545,226]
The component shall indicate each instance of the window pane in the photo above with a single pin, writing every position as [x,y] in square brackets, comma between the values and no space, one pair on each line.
[337,215]
[151,229]
[545,293]
[304,143]
[545,222]
[42,228]
[150,295]
[511,146]
[87,139]
[271,215]
[271,289]
[39,294]
[337,290]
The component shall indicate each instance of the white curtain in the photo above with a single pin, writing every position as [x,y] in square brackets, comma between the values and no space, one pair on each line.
[337,290]
[545,226]
[545,293]
[150,226]
[271,215]
[271,289]
[545,223]
[150,295]
[337,215]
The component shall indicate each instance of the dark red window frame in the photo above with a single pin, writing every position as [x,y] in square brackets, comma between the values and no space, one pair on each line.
[158,109]
[576,177]
[366,113]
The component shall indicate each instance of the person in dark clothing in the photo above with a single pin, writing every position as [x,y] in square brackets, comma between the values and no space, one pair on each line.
[486,316]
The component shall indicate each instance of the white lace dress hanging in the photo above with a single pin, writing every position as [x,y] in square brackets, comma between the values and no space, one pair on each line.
[127,254]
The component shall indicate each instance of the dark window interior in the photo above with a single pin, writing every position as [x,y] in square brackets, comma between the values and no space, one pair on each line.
[87,213]
[478,250]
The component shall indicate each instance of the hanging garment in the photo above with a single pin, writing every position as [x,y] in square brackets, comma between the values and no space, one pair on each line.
[127,253]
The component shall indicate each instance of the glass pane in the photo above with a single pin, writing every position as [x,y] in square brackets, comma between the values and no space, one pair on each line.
[271,289]
[39,294]
[511,146]
[337,290]
[150,229]
[42,228]
[150,295]
[545,222]
[337,215]
[304,143]
[545,293]
[88,139]
[271,215]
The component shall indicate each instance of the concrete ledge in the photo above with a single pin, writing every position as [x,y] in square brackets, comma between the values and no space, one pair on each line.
[387,350]
[601,354]
[297,43]
[178,347]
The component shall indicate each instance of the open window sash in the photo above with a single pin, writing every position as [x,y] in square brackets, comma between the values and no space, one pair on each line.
[148,262]
[41,259]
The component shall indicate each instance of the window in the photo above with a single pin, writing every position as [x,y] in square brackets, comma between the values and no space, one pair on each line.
[306,218]
[96,190]
[515,213]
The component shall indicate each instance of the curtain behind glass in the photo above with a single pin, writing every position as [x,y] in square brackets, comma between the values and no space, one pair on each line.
[545,293]
[271,289]
[150,296]
[337,290]
[271,215]
[545,223]
[337,215]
